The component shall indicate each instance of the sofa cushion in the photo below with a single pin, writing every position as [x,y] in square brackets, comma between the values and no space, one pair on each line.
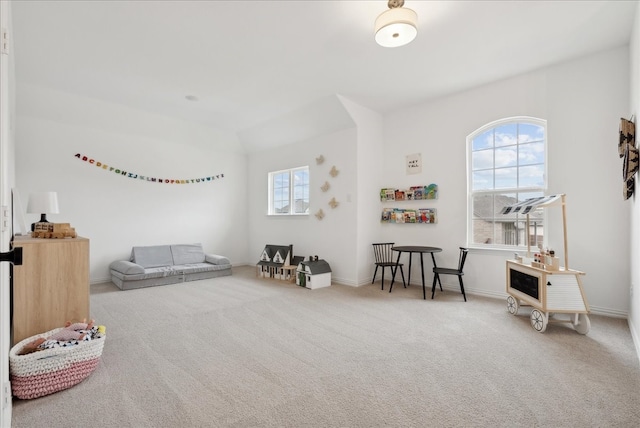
[127,268]
[215,259]
[156,272]
[152,256]
[187,253]
[199,267]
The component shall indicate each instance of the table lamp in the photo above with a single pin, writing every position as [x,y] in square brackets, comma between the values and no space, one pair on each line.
[43,203]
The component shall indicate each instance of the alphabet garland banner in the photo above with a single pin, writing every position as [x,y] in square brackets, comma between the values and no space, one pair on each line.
[146,178]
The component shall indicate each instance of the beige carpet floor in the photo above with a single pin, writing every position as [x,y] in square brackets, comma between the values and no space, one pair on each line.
[245,352]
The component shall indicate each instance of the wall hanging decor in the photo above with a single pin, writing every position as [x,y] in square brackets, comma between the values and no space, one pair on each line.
[325,186]
[334,172]
[133,175]
[333,203]
[320,214]
[414,164]
[319,160]
[628,151]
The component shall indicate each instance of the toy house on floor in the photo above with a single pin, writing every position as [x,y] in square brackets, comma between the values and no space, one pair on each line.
[274,258]
[313,274]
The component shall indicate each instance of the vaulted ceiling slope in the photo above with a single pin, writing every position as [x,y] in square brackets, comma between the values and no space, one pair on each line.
[250,63]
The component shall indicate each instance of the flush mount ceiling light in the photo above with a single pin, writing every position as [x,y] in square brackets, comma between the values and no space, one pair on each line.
[396,26]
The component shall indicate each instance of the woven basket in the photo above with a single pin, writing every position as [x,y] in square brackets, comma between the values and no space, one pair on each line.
[51,370]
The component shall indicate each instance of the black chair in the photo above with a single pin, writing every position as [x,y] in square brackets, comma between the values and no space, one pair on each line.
[437,271]
[384,258]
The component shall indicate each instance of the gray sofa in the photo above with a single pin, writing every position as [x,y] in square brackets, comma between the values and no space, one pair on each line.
[167,264]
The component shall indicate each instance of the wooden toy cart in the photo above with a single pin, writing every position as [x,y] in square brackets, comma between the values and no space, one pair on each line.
[556,295]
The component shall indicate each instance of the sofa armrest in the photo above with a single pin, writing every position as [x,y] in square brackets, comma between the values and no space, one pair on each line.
[125,267]
[215,259]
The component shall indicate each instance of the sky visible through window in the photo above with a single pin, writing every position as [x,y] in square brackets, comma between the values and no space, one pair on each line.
[281,191]
[508,156]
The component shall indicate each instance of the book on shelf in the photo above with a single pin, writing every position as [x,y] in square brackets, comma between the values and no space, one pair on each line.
[386,215]
[427,215]
[389,194]
[410,216]
[418,191]
[398,215]
[430,191]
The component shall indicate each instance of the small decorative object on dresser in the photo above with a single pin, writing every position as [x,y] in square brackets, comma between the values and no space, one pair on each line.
[53,230]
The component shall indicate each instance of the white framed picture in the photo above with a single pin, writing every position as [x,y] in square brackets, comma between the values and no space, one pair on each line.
[414,164]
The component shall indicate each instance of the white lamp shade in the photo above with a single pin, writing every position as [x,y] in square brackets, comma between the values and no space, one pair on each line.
[396,27]
[43,203]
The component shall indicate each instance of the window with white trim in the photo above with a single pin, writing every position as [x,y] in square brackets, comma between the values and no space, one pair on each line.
[506,164]
[289,191]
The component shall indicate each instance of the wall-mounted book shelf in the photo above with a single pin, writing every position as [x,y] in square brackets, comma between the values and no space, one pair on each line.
[401,215]
[413,215]
[414,193]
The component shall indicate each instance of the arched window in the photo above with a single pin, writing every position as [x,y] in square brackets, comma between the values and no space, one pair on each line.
[506,163]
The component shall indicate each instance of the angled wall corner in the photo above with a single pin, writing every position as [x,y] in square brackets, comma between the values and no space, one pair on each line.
[320,117]
[369,161]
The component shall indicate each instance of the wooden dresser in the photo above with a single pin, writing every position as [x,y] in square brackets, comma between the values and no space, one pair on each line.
[51,286]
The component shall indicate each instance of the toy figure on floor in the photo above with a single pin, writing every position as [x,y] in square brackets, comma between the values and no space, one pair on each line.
[72,334]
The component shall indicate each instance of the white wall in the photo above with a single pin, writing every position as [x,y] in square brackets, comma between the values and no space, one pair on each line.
[583,101]
[332,238]
[369,141]
[634,306]
[117,212]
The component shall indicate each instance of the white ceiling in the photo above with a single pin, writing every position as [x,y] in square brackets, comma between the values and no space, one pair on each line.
[251,63]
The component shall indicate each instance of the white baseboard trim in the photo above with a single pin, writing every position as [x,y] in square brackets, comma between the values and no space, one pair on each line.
[635,338]
[95,281]
[613,313]
[347,282]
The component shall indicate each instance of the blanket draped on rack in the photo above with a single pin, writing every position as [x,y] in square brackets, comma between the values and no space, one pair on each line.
[628,151]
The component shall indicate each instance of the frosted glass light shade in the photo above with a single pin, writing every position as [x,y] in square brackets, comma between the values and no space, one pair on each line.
[396,27]
[43,203]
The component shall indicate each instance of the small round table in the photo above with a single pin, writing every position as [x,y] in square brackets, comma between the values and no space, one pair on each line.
[414,249]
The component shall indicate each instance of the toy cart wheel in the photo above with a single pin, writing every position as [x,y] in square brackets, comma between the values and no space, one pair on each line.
[512,305]
[582,325]
[539,321]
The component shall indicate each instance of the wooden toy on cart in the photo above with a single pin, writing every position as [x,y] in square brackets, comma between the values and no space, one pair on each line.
[549,288]
[53,230]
